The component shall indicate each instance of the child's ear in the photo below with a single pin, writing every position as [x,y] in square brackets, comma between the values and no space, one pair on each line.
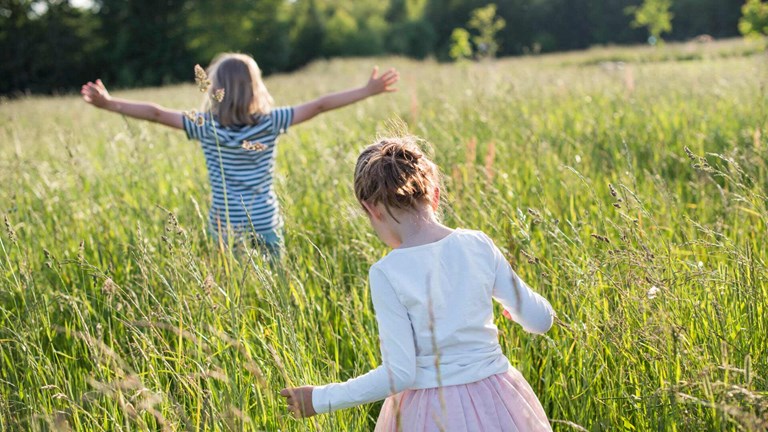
[436,199]
[371,209]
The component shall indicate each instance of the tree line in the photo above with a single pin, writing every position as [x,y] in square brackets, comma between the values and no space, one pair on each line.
[49,46]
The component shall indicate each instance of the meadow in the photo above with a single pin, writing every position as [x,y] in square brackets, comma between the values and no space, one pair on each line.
[629,186]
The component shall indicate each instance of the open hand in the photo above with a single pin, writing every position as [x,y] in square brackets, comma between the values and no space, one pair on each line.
[299,401]
[380,84]
[95,94]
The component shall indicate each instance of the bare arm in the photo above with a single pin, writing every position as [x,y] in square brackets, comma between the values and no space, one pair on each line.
[376,84]
[97,95]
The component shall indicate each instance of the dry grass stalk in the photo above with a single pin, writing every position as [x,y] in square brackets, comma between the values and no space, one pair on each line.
[414,107]
[490,156]
[471,152]
[629,80]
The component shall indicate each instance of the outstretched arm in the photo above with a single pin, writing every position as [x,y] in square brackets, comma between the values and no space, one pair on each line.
[376,84]
[97,95]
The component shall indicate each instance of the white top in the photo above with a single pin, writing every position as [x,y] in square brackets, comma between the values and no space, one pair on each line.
[435,316]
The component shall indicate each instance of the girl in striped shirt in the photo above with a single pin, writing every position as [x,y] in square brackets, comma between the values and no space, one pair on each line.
[238,132]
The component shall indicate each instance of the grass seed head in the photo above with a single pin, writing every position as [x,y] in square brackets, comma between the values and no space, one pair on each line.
[109,287]
[201,78]
[208,285]
[81,252]
[690,154]
[253,145]
[218,95]
[10,230]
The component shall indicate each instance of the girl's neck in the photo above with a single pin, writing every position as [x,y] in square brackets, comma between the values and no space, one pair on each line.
[419,228]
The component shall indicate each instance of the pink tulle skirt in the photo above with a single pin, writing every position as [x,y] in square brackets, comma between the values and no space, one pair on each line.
[503,402]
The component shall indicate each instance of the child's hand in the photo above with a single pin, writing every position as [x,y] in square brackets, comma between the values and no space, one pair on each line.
[299,401]
[380,84]
[95,94]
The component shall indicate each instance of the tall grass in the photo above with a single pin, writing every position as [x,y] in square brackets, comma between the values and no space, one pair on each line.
[632,195]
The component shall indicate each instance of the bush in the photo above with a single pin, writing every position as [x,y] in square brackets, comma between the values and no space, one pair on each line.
[754,20]
[411,38]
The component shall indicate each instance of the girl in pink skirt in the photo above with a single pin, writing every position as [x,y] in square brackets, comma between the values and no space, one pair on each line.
[442,367]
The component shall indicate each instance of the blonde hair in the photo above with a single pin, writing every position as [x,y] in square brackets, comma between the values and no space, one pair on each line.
[395,171]
[245,95]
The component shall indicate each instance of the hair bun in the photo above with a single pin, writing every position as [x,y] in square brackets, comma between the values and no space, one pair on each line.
[402,153]
[396,172]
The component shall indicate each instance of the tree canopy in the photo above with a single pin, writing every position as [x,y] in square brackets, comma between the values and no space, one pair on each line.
[52,45]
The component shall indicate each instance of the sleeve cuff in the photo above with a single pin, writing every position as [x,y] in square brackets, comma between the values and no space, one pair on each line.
[320,401]
[187,123]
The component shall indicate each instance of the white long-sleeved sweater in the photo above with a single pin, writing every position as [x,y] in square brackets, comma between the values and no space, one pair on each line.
[434,310]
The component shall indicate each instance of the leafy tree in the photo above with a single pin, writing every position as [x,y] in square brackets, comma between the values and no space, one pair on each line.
[397,11]
[413,38]
[15,60]
[414,9]
[340,30]
[307,33]
[654,15]
[717,18]
[754,20]
[151,42]
[255,28]
[445,16]
[63,28]
[487,24]
[355,29]
[146,41]
[45,46]
[461,48]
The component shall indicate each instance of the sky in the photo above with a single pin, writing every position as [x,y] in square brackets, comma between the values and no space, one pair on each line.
[40,7]
[81,3]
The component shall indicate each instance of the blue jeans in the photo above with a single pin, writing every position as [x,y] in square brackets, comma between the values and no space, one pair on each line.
[270,242]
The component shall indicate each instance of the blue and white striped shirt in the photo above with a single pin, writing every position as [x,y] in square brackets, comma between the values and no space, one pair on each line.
[241,179]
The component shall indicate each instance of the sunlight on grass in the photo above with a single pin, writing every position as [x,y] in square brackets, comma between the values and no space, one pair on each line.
[632,194]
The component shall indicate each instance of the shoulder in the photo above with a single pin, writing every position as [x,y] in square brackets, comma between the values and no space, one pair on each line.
[474,237]
[476,245]
[385,271]
[379,283]
[197,125]
[281,110]
[282,118]
[278,113]
[378,269]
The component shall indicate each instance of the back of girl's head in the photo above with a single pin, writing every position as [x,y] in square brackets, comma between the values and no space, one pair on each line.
[245,95]
[395,171]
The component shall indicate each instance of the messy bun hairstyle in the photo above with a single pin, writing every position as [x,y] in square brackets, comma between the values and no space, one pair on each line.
[395,171]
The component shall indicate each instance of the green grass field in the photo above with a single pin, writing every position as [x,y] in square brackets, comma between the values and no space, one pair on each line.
[117,313]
